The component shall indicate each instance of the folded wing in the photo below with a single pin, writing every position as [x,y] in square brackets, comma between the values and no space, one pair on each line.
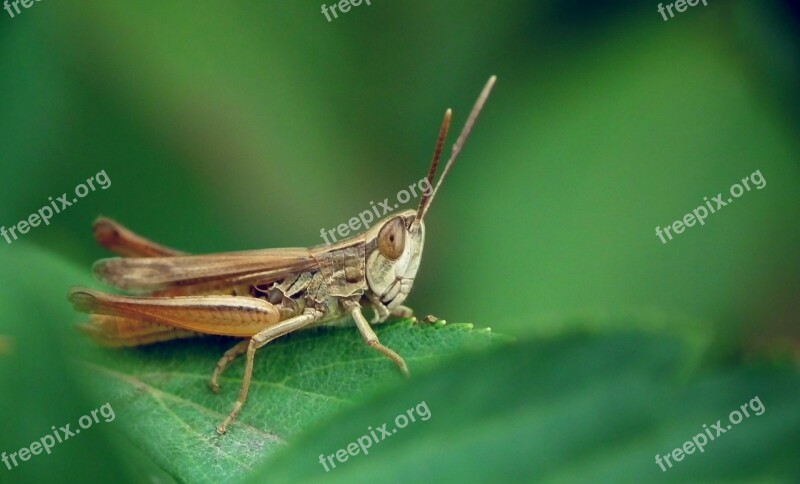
[148,274]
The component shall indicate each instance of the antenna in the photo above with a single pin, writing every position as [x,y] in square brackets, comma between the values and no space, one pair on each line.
[427,201]
[437,153]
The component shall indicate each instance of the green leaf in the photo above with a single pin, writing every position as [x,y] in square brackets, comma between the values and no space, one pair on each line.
[577,408]
[162,398]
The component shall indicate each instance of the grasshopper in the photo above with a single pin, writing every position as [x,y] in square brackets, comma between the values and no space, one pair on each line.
[261,295]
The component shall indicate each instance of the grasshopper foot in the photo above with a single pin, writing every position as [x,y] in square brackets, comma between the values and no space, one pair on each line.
[399,361]
[223,427]
[403,312]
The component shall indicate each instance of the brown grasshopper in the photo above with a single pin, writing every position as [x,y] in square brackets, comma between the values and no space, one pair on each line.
[261,295]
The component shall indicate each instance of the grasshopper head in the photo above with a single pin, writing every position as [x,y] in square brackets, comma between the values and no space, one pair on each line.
[395,255]
[395,243]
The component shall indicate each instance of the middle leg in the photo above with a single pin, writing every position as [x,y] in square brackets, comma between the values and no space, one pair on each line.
[227,359]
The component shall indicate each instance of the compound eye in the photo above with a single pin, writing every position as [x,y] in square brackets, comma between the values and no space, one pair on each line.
[392,238]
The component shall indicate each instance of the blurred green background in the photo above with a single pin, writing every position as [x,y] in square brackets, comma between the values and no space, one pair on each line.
[226,126]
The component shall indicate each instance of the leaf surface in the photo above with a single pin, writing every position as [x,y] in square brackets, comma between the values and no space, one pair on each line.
[163,400]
